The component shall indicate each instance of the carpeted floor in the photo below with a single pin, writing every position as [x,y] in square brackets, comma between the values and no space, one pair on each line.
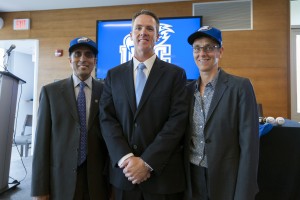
[20,170]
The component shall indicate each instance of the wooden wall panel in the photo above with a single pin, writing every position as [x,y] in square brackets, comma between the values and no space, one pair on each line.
[269,86]
[261,54]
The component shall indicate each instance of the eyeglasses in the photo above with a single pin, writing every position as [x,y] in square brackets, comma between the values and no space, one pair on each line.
[206,48]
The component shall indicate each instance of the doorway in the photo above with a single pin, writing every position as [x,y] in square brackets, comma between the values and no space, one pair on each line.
[23,63]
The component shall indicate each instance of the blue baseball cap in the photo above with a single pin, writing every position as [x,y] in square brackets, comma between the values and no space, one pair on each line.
[83,41]
[206,31]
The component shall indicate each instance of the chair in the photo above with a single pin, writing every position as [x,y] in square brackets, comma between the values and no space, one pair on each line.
[24,139]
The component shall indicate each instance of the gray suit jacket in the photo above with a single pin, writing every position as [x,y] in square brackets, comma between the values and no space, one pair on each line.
[154,130]
[232,139]
[57,140]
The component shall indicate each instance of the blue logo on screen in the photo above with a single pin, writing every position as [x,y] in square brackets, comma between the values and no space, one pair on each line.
[162,50]
[116,47]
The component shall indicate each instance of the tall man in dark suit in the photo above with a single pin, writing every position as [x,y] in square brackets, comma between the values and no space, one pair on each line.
[222,142]
[144,135]
[70,153]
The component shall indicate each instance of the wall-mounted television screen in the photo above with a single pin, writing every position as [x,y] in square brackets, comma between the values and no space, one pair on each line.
[116,47]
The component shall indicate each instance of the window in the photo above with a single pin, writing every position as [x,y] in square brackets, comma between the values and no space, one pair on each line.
[2,59]
[295,74]
[298,71]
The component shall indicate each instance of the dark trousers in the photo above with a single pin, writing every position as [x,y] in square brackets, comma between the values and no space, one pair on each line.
[137,194]
[82,189]
[199,183]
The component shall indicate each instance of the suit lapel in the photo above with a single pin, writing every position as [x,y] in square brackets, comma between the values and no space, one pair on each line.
[67,91]
[95,98]
[129,85]
[191,91]
[154,76]
[128,82]
[221,86]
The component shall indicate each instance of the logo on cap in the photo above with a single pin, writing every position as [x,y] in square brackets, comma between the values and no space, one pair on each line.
[83,40]
[205,28]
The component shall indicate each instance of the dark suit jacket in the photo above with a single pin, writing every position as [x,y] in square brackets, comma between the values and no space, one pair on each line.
[153,131]
[57,140]
[232,139]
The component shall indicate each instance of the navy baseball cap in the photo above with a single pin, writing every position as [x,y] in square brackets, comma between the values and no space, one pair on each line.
[207,31]
[83,41]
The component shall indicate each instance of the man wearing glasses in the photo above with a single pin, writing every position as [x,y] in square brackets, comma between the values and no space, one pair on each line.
[222,143]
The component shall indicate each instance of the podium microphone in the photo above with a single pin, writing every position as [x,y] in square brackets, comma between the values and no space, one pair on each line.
[6,55]
[12,47]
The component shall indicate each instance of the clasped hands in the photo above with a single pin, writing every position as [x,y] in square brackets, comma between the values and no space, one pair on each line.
[135,170]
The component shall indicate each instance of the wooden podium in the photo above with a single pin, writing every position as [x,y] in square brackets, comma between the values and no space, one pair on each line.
[9,84]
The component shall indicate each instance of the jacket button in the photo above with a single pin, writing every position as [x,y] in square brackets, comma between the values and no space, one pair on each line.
[135,147]
[74,170]
[135,125]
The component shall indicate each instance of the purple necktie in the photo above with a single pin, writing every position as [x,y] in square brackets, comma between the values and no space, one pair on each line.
[81,105]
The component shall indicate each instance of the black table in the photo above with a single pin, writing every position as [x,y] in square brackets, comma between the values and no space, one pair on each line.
[279,163]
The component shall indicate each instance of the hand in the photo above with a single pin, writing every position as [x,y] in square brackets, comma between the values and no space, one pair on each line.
[135,170]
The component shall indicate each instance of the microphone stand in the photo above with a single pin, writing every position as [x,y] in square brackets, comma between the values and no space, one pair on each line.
[5,61]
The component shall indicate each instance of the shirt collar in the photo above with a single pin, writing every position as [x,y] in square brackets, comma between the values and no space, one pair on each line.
[213,82]
[149,62]
[76,81]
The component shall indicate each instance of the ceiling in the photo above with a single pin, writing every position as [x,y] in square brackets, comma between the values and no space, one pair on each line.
[32,5]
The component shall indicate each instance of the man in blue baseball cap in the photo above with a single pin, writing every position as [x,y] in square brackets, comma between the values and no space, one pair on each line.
[222,140]
[83,41]
[70,154]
